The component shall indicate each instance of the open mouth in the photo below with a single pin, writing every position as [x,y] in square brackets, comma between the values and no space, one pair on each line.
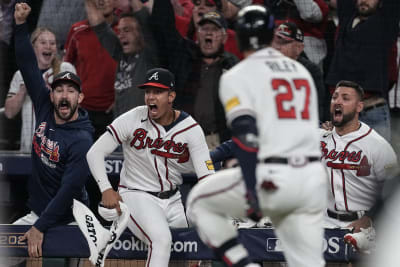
[337,112]
[47,55]
[64,106]
[208,43]
[152,109]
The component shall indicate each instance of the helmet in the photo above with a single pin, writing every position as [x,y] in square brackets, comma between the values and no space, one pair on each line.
[254,27]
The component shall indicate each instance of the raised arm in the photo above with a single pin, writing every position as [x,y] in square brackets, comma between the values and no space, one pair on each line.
[108,39]
[25,56]
[312,11]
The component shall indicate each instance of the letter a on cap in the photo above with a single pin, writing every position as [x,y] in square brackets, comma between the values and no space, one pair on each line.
[154,76]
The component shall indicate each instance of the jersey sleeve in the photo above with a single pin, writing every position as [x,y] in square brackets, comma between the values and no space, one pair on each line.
[121,127]
[199,153]
[15,84]
[235,98]
[384,160]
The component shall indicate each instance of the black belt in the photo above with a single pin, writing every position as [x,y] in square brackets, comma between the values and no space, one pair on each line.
[374,106]
[164,194]
[286,160]
[348,217]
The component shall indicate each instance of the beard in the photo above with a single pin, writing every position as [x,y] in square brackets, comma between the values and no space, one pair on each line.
[345,119]
[367,11]
[71,107]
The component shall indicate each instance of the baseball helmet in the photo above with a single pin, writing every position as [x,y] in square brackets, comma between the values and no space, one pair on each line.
[254,27]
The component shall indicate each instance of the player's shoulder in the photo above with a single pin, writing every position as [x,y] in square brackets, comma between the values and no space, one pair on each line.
[324,134]
[134,114]
[186,121]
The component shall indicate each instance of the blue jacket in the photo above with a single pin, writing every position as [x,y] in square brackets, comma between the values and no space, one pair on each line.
[59,166]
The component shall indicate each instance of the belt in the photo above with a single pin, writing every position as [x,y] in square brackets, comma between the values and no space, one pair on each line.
[374,106]
[291,161]
[164,194]
[348,217]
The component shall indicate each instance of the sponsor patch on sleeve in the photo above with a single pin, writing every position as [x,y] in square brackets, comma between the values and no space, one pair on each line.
[233,102]
[210,165]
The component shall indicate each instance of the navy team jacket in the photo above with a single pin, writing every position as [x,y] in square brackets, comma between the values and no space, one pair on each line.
[59,166]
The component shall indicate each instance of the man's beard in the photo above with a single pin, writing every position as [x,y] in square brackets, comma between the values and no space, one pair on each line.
[345,119]
[366,12]
[72,110]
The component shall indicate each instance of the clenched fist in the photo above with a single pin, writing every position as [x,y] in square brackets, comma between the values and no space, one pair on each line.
[22,11]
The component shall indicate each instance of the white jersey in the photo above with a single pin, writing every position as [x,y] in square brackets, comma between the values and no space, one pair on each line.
[28,115]
[154,158]
[282,98]
[357,163]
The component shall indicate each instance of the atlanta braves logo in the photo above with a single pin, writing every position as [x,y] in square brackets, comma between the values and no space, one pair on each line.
[49,147]
[154,76]
[363,168]
[167,148]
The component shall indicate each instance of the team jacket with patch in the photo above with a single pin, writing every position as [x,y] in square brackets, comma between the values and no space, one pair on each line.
[59,166]
[154,158]
[357,164]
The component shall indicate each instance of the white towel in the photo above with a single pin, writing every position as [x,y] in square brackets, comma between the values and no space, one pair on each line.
[100,239]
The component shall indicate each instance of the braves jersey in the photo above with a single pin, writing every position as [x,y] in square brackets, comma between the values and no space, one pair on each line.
[282,98]
[155,158]
[357,163]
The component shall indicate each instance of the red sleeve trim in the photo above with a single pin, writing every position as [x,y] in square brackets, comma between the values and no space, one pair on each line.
[243,146]
[115,133]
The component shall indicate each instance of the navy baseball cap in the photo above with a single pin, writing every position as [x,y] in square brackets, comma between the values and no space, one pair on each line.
[160,78]
[289,31]
[67,76]
[215,18]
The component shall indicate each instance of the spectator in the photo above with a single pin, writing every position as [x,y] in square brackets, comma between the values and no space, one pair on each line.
[311,16]
[366,34]
[133,48]
[45,46]
[72,11]
[197,67]
[288,39]
[358,159]
[188,27]
[175,144]
[62,138]
[95,67]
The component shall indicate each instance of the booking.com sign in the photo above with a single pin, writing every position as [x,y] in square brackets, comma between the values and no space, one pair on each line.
[133,244]
[331,245]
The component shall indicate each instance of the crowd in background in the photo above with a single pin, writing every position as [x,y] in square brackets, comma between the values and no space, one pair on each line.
[111,46]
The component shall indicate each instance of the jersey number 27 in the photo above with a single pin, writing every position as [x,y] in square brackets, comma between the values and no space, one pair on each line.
[289,111]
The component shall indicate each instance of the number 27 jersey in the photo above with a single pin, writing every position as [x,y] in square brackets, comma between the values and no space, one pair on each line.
[280,93]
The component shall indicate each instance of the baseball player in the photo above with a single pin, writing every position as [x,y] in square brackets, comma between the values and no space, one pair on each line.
[159,144]
[358,160]
[271,105]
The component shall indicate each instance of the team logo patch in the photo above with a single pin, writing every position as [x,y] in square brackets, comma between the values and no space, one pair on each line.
[233,102]
[210,165]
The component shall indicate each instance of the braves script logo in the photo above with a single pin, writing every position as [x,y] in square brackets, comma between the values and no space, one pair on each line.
[171,149]
[49,147]
[363,168]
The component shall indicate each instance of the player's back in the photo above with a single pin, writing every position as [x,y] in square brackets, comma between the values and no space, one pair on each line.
[281,95]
